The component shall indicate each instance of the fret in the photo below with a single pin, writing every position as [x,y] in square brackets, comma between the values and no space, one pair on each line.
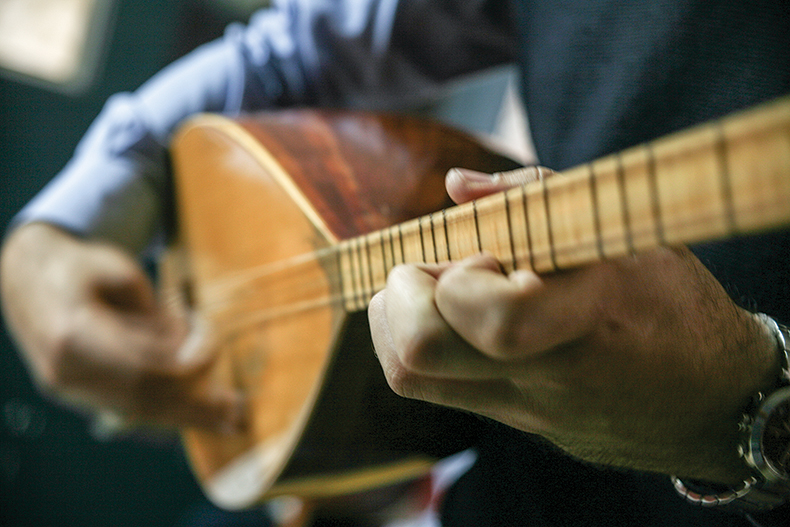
[388,248]
[513,259]
[356,266]
[433,238]
[688,185]
[492,227]
[570,218]
[724,179]
[378,269]
[369,265]
[622,190]
[609,204]
[594,198]
[519,226]
[530,247]
[374,263]
[385,239]
[364,270]
[440,237]
[426,238]
[537,221]
[544,194]
[655,201]
[422,240]
[346,277]
[395,259]
[446,234]
[462,232]
[638,199]
[477,227]
[412,245]
[450,232]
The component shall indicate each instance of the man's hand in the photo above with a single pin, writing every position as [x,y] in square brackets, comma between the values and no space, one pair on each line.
[90,327]
[640,362]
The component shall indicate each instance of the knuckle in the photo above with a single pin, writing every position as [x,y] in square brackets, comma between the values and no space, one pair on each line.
[403,382]
[422,351]
[505,342]
[398,274]
[503,336]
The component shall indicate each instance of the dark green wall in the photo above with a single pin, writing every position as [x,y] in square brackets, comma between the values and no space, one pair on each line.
[52,472]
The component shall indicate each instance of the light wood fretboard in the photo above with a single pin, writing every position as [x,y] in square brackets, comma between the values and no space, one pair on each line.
[722,179]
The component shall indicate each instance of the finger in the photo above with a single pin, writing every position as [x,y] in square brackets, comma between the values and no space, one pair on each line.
[145,394]
[126,340]
[410,334]
[149,367]
[118,282]
[165,337]
[383,345]
[466,185]
[521,315]
[189,402]
[182,390]
[491,398]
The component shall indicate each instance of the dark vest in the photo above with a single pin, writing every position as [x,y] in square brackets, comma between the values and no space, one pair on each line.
[598,77]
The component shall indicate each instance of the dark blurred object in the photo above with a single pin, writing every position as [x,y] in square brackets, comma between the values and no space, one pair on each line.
[202,18]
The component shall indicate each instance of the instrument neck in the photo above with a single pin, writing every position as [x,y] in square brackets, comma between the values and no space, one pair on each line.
[722,179]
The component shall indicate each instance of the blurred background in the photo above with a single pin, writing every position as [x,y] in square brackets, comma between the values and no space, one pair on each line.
[59,61]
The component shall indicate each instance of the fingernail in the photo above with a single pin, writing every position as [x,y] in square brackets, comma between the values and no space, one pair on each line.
[524,279]
[195,349]
[472,176]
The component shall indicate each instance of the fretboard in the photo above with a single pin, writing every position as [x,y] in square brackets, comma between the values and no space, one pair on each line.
[726,178]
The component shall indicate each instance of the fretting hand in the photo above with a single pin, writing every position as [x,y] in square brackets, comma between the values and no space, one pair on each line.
[640,362]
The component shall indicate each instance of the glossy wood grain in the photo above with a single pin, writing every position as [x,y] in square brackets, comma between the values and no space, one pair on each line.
[290,222]
[261,202]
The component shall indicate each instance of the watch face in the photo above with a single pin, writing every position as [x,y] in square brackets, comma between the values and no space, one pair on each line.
[776,438]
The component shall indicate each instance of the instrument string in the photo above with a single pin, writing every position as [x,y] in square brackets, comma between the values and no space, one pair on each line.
[227,298]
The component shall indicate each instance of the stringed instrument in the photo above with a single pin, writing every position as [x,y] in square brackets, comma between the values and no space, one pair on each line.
[289,222]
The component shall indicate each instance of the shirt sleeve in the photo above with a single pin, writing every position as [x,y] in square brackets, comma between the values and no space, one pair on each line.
[382,54]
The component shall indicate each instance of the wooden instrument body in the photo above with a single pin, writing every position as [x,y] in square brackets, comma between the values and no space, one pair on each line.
[290,222]
[259,201]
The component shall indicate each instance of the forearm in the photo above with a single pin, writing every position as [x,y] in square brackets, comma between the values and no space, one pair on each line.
[116,187]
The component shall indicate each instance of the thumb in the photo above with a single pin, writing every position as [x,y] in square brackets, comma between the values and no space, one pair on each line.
[198,349]
[466,185]
[118,282]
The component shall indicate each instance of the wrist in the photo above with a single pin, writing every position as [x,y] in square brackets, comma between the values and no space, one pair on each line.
[763,447]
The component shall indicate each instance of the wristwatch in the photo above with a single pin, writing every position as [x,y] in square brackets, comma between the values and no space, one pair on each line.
[764,447]
[766,435]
